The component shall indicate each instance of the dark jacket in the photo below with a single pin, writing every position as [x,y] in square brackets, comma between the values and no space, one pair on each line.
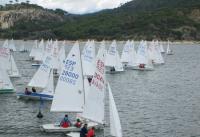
[83,132]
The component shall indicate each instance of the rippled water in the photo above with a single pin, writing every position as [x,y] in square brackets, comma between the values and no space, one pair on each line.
[160,103]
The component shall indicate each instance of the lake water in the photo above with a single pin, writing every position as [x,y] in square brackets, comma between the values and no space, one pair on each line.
[160,103]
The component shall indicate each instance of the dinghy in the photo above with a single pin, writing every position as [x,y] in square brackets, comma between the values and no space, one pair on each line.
[5,83]
[69,93]
[88,58]
[113,63]
[128,57]
[169,51]
[22,48]
[143,60]
[161,47]
[43,79]
[8,62]
[33,50]
[10,45]
[39,54]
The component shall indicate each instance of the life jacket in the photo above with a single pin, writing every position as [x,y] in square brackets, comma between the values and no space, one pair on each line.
[78,124]
[65,124]
[90,133]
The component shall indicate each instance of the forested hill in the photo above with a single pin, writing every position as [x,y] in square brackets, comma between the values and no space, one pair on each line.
[138,19]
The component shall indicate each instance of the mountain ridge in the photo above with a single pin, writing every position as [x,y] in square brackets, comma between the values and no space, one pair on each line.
[137,19]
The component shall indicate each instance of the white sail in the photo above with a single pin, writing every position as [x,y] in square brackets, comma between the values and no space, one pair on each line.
[55,52]
[125,53]
[142,53]
[132,59]
[34,49]
[94,104]
[88,58]
[12,67]
[161,48]
[40,51]
[61,57]
[4,58]
[12,45]
[69,94]
[115,125]
[169,51]
[5,44]
[158,56]
[5,83]
[49,89]
[112,57]
[41,77]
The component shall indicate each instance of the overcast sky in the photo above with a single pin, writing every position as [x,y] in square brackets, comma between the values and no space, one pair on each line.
[76,6]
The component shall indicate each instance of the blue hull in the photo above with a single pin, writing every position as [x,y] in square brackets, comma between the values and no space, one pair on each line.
[34,96]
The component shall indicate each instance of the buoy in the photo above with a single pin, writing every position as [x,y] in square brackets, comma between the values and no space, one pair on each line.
[39,115]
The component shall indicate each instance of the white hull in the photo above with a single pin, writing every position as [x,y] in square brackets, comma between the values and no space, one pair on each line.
[14,76]
[73,134]
[170,53]
[55,128]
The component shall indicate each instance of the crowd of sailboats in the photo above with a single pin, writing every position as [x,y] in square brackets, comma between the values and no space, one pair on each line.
[81,76]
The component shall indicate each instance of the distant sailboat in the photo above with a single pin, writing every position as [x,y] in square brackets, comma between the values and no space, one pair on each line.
[5,83]
[113,62]
[10,45]
[161,47]
[129,55]
[43,79]
[169,51]
[8,62]
[143,60]
[39,53]
[33,50]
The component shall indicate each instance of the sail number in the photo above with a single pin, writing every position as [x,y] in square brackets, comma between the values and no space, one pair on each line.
[69,65]
[98,81]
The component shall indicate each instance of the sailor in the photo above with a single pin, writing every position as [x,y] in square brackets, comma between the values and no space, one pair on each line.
[27,92]
[65,123]
[33,90]
[112,69]
[84,131]
[91,132]
[78,123]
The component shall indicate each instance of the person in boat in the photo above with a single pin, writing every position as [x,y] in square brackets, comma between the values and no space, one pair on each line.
[78,123]
[65,123]
[27,92]
[91,132]
[112,69]
[33,90]
[90,79]
[84,131]
[142,66]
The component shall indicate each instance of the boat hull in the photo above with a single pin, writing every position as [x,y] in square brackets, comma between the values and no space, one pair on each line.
[2,91]
[55,128]
[36,65]
[73,134]
[34,96]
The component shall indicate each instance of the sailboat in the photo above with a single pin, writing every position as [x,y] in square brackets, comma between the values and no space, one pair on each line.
[95,101]
[22,48]
[70,92]
[61,58]
[129,55]
[5,83]
[88,58]
[33,50]
[39,53]
[113,63]
[10,45]
[43,79]
[169,51]
[8,62]
[143,60]
[161,47]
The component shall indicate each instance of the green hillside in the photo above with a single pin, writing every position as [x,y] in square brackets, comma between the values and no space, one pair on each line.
[138,19]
